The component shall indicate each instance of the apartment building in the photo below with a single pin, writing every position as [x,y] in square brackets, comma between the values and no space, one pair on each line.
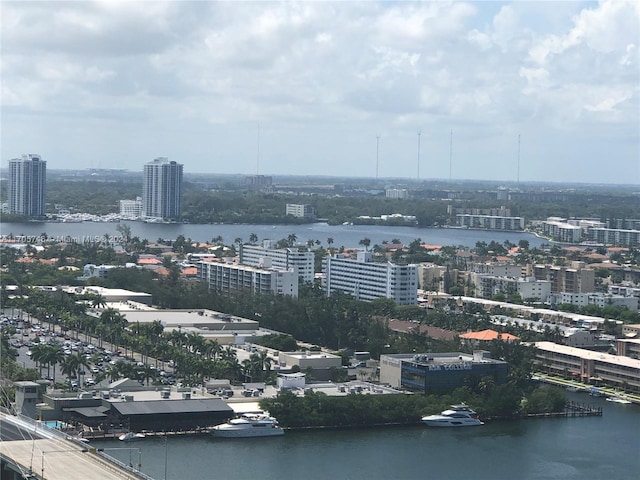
[594,298]
[486,286]
[616,237]
[162,189]
[231,277]
[131,208]
[27,185]
[397,193]
[267,255]
[593,367]
[490,222]
[573,279]
[367,280]
[558,229]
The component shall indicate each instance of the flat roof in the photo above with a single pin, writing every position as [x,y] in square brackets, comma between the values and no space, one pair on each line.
[197,318]
[158,407]
[588,354]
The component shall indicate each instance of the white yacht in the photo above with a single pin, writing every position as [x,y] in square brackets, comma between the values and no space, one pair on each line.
[131,437]
[456,416]
[249,425]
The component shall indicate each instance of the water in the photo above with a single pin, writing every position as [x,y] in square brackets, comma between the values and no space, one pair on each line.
[606,447]
[343,235]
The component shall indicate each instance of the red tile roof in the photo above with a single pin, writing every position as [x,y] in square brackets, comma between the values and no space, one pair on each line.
[488,335]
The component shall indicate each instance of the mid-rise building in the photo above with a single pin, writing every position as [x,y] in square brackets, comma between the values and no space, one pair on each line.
[232,277]
[367,280]
[300,210]
[561,231]
[613,236]
[131,208]
[486,286]
[575,279]
[267,255]
[490,222]
[27,185]
[397,193]
[162,189]
[594,298]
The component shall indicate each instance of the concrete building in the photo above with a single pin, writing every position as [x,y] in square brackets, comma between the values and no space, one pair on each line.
[230,277]
[624,290]
[617,237]
[301,260]
[397,193]
[490,222]
[588,366]
[486,286]
[162,189]
[594,298]
[628,347]
[431,277]
[131,208]
[300,210]
[439,372]
[27,186]
[498,269]
[573,279]
[367,280]
[562,231]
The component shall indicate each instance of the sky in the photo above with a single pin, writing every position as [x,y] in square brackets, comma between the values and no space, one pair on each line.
[506,91]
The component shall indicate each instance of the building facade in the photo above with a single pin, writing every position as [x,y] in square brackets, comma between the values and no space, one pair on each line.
[162,189]
[366,280]
[27,186]
[574,279]
[232,277]
[440,372]
[131,208]
[267,255]
[589,366]
[300,210]
[490,222]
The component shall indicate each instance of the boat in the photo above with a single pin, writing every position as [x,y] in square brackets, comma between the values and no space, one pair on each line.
[249,425]
[456,416]
[131,437]
[618,399]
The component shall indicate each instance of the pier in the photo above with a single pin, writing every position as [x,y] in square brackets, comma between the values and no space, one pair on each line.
[572,409]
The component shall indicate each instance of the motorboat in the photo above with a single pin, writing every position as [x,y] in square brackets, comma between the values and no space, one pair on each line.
[456,416]
[618,399]
[249,425]
[131,437]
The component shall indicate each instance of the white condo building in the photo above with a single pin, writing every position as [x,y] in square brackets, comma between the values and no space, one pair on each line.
[230,277]
[131,208]
[367,281]
[267,255]
[27,185]
[162,189]
[300,210]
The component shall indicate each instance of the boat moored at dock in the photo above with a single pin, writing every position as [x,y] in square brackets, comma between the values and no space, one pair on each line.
[249,425]
[456,416]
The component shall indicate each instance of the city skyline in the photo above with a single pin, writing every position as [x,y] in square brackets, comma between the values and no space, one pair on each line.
[522,91]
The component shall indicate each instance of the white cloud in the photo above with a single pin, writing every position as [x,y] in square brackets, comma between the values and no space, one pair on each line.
[321,78]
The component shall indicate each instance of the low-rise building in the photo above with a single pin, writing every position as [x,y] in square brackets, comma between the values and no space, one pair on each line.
[300,210]
[439,372]
[597,368]
[490,222]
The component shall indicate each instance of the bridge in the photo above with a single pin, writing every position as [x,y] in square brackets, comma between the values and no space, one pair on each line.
[32,451]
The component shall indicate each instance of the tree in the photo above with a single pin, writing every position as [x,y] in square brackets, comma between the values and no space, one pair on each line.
[253,238]
[365,242]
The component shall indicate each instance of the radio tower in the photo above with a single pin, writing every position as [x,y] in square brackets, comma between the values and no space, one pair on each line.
[419,133]
[377,153]
[450,154]
[518,172]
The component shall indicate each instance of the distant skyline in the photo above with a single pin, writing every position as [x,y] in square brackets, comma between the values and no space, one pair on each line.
[355,89]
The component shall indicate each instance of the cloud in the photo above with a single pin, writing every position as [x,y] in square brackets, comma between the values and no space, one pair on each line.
[195,78]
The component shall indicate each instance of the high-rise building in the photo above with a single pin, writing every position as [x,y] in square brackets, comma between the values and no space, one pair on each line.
[162,189]
[27,185]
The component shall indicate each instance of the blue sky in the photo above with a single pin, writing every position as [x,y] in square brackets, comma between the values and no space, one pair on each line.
[115,84]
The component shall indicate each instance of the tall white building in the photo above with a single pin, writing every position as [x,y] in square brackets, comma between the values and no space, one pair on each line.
[230,277]
[265,255]
[162,189]
[366,280]
[27,185]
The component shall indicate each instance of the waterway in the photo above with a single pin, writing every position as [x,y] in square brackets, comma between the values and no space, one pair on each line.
[597,448]
[343,235]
